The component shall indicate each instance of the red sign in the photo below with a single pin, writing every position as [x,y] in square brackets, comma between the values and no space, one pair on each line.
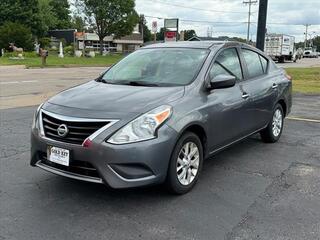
[171,34]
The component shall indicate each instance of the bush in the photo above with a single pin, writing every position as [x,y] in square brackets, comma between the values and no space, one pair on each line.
[15,33]
[69,50]
[44,42]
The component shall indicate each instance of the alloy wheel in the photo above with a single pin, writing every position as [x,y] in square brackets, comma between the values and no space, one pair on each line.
[277,122]
[188,163]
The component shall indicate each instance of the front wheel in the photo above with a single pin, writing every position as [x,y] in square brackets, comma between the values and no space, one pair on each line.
[185,164]
[274,129]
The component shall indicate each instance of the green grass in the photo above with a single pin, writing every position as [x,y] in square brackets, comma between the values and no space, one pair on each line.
[305,80]
[54,61]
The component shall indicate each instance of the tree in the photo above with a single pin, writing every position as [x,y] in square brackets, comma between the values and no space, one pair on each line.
[61,10]
[46,15]
[110,17]
[15,33]
[189,34]
[25,12]
[78,23]
[160,35]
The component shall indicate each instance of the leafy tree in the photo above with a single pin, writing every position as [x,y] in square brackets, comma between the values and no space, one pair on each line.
[160,35]
[25,12]
[110,17]
[61,10]
[16,33]
[189,34]
[147,35]
[78,23]
[46,15]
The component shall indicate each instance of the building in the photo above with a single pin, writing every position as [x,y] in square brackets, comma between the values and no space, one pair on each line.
[90,41]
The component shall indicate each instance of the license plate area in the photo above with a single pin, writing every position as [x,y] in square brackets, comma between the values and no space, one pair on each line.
[58,155]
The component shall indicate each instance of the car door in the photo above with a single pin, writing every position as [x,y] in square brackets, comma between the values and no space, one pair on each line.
[226,107]
[260,88]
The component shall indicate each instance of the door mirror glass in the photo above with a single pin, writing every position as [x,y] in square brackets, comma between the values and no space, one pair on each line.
[222,81]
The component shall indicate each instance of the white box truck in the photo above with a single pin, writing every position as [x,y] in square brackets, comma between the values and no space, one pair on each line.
[280,47]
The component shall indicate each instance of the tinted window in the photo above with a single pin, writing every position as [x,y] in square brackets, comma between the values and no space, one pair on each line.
[159,66]
[264,63]
[253,62]
[227,63]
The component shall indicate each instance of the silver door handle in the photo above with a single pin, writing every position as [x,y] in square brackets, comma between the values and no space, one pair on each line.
[274,86]
[245,95]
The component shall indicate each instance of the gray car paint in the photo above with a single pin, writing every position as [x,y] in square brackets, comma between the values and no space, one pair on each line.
[222,114]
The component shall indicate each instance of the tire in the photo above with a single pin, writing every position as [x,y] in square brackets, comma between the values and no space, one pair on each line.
[273,131]
[187,167]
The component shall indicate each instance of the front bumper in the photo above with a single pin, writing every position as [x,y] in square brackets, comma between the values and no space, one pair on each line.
[119,166]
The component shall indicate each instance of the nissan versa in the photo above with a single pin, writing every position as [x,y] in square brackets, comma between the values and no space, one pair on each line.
[157,114]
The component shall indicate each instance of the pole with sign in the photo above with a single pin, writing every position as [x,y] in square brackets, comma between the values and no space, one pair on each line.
[154,30]
[171,27]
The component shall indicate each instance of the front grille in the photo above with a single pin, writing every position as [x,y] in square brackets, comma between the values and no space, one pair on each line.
[78,131]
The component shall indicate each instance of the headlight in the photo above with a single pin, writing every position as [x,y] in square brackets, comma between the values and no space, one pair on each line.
[143,127]
[35,122]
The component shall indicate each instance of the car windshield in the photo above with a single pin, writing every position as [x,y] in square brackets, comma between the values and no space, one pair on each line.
[157,67]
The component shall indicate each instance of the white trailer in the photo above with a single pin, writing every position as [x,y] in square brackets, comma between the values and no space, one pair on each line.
[280,47]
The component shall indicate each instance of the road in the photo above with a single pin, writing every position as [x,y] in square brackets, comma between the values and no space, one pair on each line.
[302,63]
[28,87]
[250,191]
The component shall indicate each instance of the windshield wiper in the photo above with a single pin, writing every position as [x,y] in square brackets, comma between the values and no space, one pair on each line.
[141,83]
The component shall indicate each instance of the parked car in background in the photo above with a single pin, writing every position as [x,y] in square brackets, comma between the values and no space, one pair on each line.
[310,52]
[156,115]
[280,47]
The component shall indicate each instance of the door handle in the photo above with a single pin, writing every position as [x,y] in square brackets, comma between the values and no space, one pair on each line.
[245,95]
[274,86]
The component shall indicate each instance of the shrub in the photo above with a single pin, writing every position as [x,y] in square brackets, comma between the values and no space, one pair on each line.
[15,33]
[44,42]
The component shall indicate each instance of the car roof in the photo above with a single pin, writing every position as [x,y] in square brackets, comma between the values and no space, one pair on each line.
[188,44]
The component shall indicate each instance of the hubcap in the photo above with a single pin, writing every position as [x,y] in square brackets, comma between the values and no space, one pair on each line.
[188,163]
[277,123]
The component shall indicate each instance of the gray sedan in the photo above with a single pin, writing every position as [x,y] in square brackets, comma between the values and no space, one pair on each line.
[157,114]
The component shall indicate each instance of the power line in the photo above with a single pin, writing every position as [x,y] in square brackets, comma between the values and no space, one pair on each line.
[195,8]
[234,22]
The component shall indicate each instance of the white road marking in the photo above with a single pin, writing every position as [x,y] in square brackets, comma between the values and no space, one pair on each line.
[304,119]
[17,82]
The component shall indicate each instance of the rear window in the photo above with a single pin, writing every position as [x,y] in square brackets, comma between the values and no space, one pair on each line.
[253,62]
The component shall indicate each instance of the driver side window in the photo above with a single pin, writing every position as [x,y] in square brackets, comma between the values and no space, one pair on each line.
[227,63]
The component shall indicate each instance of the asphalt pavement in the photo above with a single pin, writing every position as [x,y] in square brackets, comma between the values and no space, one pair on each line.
[252,190]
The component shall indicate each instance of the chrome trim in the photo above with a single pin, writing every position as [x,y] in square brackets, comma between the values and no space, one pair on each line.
[68,174]
[75,119]
[131,180]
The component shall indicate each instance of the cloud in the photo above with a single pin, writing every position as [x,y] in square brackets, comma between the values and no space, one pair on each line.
[292,13]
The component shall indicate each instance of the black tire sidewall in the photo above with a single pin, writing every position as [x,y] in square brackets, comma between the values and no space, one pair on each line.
[172,179]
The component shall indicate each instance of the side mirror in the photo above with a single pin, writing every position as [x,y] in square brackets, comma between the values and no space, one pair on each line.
[222,81]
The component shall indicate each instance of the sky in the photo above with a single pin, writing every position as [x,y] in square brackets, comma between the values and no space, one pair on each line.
[230,17]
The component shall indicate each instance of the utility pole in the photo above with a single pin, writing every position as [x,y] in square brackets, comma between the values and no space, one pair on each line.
[262,23]
[249,2]
[306,35]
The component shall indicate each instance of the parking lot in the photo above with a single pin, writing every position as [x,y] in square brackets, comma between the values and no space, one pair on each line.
[250,191]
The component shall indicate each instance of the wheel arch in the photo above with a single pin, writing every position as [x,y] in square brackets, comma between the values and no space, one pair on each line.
[200,131]
[283,104]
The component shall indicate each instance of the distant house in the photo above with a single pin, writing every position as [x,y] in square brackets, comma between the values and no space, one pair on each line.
[91,41]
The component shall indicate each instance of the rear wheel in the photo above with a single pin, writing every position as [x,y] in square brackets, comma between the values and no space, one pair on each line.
[273,131]
[185,164]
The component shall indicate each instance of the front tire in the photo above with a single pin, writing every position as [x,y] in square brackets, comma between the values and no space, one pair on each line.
[185,164]
[273,131]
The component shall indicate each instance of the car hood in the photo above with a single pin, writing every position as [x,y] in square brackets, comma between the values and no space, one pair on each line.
[109,98]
